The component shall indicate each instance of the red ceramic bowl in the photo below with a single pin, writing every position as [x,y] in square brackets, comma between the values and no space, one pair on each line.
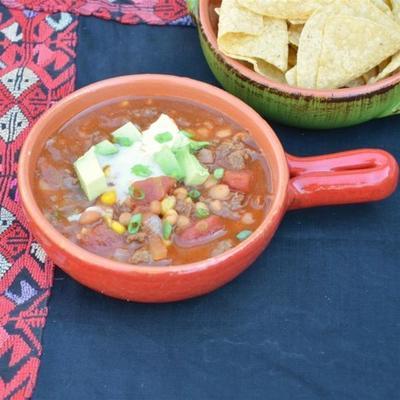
[356,176]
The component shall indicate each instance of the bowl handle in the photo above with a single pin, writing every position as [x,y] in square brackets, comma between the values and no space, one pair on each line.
[342,178]
[193,7]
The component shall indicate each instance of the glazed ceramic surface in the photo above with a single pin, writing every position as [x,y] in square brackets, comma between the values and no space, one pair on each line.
[355,176]
[292,106]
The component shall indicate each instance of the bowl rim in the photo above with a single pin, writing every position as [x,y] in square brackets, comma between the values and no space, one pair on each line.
[53,236]
[248,74]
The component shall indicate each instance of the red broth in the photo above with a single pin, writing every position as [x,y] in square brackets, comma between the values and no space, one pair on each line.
[194,236]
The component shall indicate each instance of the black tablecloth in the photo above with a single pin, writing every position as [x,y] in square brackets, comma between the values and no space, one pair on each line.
[316,317]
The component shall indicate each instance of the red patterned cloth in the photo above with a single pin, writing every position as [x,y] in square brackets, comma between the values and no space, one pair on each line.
[155,12]
[37,68]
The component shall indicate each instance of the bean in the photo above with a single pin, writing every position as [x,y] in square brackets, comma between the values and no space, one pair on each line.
[208,124]
[223,133]
[203,132]
[182,222]
[89,217]
[43,185]
[181,193]
[240,136]
[216,206]
[248,218]
[210,182]
[125,218]
[200,204]
[171,216]
[219,192]
[155,207]
[168,203]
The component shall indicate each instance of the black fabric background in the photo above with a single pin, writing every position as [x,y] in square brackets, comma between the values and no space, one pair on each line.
[316,317]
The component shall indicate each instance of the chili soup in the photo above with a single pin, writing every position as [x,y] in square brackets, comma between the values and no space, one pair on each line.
[153,181]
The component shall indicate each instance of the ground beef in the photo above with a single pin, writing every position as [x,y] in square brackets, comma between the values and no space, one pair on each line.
[229,207]
[245,138]
[184,208]
[205,156]
[99,239]
[221,247]
[137,237]
[236,202]
[232,155]
[141,256]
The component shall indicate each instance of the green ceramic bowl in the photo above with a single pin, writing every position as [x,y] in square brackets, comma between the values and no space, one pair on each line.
[306,108]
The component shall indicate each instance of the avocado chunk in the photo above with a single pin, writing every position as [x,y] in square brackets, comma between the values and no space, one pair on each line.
[90,175]
[106,148]
[168,163]
[127,135]
[194,173]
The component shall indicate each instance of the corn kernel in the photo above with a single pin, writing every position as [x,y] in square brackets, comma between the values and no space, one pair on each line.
[107,170]
[168,203]
[118,228]
[108,220]
[109,198]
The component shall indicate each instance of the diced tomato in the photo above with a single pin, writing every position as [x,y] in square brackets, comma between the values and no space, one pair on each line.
[201,230]
[152,189]
[238,180]
[158,249]
[100,239]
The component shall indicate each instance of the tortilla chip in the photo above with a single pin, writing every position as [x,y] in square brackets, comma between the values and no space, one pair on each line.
[285,9]
[294,34]
[355,83]
[297,21]
[292,58]
[392,67]
[373,72]
[312,36]
[262,68]
[309,49]
[291,76]
[396,9]
[382,6]
[269,71]
[384,64]
[235,19]
[269,44]
[346,54]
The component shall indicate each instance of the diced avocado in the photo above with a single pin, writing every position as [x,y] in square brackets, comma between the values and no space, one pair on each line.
[91,176]
[168,163]
[194,172]
[106,148]
[127,135]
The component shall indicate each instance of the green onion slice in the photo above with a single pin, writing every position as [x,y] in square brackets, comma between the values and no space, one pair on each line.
[163,137]
[166,230]
[141,170]
[135,223]
[124,141]
[243,235]
[196,146]
[219,173]
[202,213]
[194,194]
